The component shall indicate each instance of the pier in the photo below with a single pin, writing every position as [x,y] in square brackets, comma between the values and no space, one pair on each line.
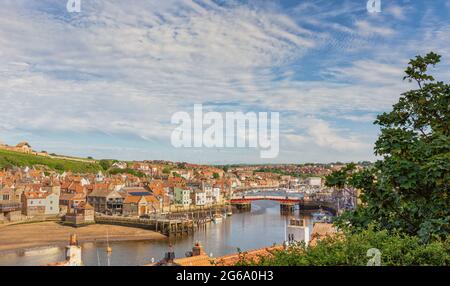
[164,226]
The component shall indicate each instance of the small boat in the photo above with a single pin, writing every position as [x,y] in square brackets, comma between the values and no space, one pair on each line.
[320,217]
[229,213]
[217,218]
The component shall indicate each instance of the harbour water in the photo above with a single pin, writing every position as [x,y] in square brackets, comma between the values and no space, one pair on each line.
[262,226]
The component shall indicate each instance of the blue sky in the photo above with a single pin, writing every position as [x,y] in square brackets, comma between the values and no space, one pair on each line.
[105,82]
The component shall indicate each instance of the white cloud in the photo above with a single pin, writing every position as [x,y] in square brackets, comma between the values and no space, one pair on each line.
[367,28]
[325,136]
[119,69]
[398,12]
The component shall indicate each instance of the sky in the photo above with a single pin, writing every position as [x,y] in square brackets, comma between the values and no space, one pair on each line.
[106,81]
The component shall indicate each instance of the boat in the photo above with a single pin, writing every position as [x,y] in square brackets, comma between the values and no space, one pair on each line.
[217,218]
[320,217]
[229,213]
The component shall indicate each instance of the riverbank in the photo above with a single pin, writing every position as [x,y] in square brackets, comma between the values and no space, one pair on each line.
[33,235]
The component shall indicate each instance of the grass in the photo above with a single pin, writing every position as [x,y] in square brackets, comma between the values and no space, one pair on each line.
[11,158]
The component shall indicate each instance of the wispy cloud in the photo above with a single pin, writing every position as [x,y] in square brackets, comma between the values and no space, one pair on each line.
[119,69]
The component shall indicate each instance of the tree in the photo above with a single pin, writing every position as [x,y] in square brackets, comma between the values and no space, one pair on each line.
[216,176]
[339,178]
[105,164]
[408,190]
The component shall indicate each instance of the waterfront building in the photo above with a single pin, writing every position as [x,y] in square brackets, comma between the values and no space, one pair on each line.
[106,201]
[38,203]
[69,201]
[182,196]
[83,213]
[199,197]
[138,205]
[10,211]
[207,188]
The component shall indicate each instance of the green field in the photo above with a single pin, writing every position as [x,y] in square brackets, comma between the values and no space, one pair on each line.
[10,158]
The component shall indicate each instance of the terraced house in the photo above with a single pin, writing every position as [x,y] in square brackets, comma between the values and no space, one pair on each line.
[40,203]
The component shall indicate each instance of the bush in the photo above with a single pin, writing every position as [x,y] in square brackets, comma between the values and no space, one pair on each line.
[115,171]
[351,249]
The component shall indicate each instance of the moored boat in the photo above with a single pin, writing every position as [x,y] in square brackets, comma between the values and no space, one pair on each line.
[217,218]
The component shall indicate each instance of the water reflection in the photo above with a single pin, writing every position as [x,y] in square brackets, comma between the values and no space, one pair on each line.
[261,227]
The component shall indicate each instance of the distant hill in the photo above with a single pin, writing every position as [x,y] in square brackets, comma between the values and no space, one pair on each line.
[11,158]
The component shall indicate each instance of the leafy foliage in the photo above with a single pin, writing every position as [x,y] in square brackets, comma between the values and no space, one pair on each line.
[167,170]
[106,164]
[409,189]
[115,171]
[351,249]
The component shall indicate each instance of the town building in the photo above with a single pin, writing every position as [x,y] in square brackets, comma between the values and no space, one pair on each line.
[81,214]
[182,196]
[38,203]
[106,201]
[138,205]
[199,197]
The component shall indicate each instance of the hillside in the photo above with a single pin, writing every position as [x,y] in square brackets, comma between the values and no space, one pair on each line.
[11,158]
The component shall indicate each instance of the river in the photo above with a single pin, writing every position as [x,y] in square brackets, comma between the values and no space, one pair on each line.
[261,227]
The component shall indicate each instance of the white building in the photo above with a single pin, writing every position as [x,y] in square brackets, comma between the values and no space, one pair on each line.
[298,231]
[207,188]
[99,177]
[119,165]
[217,194]
[199,198]
[314,181]
[40,203]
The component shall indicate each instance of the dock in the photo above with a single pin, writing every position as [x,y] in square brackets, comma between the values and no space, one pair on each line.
[167,227]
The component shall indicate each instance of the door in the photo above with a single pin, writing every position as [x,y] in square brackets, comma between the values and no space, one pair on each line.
[142,210]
